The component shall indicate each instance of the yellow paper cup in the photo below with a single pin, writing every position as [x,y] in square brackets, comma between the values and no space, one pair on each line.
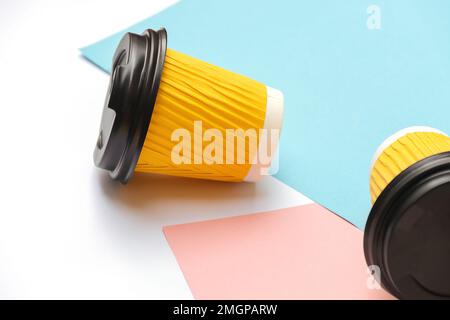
[406,237]
[169,113]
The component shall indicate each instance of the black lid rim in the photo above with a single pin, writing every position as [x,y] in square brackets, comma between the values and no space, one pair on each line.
[137,69]
[388,208]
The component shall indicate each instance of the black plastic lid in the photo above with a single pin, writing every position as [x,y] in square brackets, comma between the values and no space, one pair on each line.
[136,74]
[407,234]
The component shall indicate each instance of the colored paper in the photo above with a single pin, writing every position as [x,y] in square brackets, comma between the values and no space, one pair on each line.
[302,252]
[349,81]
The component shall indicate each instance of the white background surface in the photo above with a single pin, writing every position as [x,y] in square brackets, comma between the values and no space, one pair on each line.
[66,231]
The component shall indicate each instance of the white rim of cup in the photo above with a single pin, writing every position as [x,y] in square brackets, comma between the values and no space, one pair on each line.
[273,120]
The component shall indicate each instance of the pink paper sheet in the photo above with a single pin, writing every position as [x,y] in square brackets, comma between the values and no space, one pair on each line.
[303,252]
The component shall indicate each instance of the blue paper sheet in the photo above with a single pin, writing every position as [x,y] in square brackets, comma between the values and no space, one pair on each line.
[347,87]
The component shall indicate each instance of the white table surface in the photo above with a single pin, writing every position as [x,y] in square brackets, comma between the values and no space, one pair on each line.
[66,231]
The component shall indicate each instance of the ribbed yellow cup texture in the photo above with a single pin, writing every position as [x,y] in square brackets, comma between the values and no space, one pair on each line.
[402,154]
[192,90]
